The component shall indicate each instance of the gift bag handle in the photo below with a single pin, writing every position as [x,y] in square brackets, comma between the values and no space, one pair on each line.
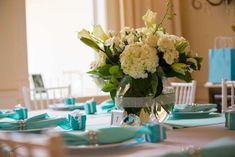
[223,42]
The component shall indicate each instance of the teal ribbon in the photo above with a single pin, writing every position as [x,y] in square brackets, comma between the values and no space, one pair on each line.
[90,107]
[158,132]
[69,101]
[21,113]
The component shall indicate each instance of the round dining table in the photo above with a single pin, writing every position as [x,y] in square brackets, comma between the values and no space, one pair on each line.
[177,139]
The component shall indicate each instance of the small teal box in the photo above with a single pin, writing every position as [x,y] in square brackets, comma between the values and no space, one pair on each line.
[230,120]
[77,122]
[221,64]
[22,113]
[158,132]
[69,101]
[90,107]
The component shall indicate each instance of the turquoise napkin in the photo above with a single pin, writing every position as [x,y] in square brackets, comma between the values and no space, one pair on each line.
[36,122]
[107,104]
[107,135]
[7,114]
[193,108]
[220,148]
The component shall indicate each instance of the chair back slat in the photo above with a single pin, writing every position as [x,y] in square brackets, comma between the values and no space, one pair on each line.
[226,86]
[41,98]
[184,92]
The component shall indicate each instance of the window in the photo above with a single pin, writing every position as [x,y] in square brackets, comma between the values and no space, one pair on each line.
[54,51]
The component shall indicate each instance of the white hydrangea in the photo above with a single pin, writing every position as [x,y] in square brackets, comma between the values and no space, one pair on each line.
[138,59]
[100,61]
[170,56]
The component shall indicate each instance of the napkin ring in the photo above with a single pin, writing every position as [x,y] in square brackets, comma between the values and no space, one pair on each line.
[21,124]
[92,136]
[194,107]
[192,151]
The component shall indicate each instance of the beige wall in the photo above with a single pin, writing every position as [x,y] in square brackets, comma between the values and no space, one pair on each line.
[200,27]
[13,52]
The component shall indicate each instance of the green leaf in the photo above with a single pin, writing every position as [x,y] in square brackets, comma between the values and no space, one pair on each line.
[181,46]
[109,54]
[114,69]
[114,81]
[113,94]
[199,62]
[187,77]
[160,71]
[159,87]
[109,87]
[154,83]
[182,58]
[104,70]
[93,72]
[91,43]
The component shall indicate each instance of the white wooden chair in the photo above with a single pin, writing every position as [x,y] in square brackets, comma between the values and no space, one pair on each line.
[31,145]
[40,98]
[184,92]
[225,96]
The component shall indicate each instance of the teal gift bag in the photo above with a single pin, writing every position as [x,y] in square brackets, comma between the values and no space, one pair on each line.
[221,64]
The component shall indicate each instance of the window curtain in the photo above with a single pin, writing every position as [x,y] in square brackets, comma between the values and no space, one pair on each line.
[129,13]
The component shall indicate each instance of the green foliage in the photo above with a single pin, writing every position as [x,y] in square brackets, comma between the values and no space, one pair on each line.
[91,43]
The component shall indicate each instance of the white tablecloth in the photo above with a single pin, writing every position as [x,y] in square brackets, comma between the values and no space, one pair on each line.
[176,140]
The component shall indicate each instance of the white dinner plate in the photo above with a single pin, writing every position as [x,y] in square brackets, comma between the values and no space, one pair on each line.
[29,130]
[104,146]
[67,107]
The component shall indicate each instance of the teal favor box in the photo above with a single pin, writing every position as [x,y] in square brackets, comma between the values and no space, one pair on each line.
[22,113]
[90,107]
[77,122]
[69,101]
[158,132]
[230,120]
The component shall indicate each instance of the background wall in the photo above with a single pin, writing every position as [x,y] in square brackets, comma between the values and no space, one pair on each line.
[13,52]
[200,27]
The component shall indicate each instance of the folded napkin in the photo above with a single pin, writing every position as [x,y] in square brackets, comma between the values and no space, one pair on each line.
[36,122]
[107,104]
[193,108]
[104,135]
[220,148]
[8,113]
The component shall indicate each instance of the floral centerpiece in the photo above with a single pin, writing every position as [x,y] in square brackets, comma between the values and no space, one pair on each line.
[134,62]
